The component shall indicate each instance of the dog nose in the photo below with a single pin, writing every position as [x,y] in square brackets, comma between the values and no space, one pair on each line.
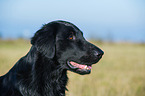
[99,53]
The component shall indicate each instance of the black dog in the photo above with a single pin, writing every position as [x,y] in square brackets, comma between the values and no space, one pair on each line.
[57,47]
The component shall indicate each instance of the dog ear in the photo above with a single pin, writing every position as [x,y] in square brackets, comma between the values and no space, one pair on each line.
[44,40]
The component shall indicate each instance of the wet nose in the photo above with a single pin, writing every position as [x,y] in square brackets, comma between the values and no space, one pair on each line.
[98,53]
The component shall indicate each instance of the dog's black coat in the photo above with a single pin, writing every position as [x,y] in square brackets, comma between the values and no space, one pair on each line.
[43,71]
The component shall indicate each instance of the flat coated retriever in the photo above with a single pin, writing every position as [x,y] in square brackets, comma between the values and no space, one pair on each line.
[57,47]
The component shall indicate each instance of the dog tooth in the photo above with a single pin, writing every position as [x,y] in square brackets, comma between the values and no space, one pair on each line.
[85,67]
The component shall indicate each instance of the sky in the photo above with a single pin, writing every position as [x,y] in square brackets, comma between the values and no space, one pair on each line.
[117,20]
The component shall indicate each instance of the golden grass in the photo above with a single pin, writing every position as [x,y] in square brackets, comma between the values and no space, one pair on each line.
[11,52]
[121,72]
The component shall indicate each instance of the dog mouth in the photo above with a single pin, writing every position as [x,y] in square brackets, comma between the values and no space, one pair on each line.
[79,68]
[75,65]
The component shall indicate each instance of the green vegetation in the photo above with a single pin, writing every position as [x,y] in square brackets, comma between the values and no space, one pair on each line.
[121,72]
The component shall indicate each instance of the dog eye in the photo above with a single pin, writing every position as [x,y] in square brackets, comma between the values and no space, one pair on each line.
[71,37]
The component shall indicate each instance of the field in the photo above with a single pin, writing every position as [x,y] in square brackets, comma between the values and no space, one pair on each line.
[121,72]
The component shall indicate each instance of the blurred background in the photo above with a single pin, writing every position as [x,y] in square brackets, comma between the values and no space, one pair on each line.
[116,26]
[116,20]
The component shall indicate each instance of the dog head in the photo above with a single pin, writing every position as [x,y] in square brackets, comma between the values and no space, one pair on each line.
[64,42]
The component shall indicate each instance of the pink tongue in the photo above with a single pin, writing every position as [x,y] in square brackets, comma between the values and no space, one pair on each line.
[80,65]
[89,67]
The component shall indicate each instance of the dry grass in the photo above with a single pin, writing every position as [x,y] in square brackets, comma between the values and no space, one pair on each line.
[121,72]
[10,52]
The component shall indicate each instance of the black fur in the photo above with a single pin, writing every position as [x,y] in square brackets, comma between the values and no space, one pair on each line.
[43,71]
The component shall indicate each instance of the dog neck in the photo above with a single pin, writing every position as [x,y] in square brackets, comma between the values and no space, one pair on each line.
[45,77]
